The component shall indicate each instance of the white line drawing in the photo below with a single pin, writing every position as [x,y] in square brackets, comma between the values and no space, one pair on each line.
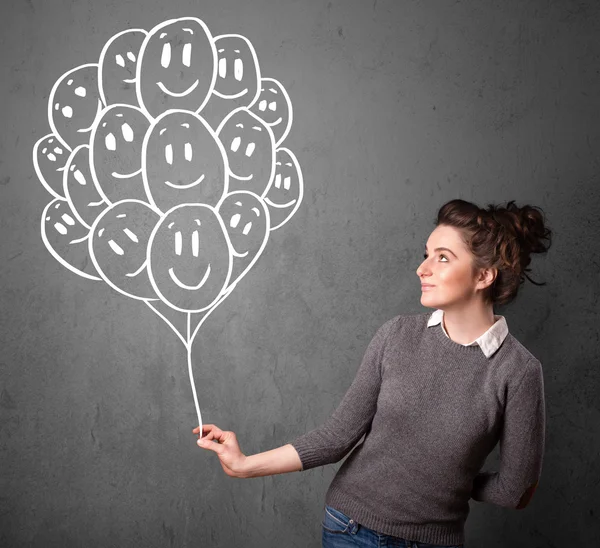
[275,108]
[117,245]
[183,161]
[117,67]
[238,78]
[284,194]
[167,171]
[177,67]
[66,238]
[49,158]
[250,147]
[74,105]
[79,188]
[116,153]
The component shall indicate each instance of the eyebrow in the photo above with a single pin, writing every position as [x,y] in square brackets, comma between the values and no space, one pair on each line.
[442,249]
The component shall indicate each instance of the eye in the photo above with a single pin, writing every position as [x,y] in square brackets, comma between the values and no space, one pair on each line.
[186,56]
[238,69]
[165,58]
[441,255]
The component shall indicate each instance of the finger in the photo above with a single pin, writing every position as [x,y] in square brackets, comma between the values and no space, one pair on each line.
[205,428]
[209,444]
[213,432]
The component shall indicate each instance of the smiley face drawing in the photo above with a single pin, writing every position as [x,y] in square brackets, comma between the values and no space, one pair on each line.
[189,257]
[177,67]
[49,159]
[275,108]
[183,161]
[67,239]
[116,153]
[246,218]
[74,105]
[118,247]
[117,67]
[238,78]
[79,188]
[284,195]
[250,149]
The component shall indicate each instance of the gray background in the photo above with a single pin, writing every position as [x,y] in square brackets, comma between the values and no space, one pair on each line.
[399,107]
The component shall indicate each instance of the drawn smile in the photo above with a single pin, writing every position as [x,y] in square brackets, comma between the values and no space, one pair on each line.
[134,274]
[125,175]
[190,185]
[189,287]
[240,255]
[234,96]
[173,94]
[278,205]
[85,130]
[277,122]
[239,177]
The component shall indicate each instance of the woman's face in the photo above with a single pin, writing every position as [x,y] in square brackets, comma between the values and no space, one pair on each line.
[449,270]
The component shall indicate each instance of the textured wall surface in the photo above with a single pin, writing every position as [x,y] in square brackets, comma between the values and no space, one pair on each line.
[398,107]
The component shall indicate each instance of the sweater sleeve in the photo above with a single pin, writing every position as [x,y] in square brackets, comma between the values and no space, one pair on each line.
[333,439]
[522,443]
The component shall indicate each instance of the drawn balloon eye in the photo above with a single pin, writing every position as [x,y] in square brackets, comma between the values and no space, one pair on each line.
[110,142]
[238,69]
[169,154]
[127,132]
[222,67]
[195,243]
[186,56]
[165,59]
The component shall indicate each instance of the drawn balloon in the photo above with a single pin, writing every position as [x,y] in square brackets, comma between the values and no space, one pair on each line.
[166,168]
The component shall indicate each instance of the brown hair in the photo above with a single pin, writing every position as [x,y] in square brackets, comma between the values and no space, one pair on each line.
[499,237]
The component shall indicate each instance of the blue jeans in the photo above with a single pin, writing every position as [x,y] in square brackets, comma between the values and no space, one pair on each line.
[339,531]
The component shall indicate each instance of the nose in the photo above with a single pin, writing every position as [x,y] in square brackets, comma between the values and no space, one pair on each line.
[422,271]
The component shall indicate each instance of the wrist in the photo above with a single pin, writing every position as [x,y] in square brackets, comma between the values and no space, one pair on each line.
[242,468]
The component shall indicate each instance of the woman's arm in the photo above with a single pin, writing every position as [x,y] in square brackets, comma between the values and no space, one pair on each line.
[276,461]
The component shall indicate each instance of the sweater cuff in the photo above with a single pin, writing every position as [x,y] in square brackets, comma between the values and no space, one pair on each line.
[309,457]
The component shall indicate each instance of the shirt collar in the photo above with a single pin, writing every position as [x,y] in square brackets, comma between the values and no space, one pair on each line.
[489,342]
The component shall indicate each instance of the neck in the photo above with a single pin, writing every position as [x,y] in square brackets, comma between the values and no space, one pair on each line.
[469,323]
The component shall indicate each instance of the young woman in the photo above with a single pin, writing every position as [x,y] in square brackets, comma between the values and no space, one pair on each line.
[434,394]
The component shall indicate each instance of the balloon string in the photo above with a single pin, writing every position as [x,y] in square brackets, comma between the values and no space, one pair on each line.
[188,347]
[175,330]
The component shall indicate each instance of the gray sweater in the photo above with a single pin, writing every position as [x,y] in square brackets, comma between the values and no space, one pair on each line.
[432,410]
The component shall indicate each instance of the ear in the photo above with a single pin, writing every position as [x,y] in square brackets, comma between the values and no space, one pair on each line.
[487,276]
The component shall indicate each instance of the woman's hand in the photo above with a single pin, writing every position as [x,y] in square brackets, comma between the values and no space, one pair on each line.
[227,449]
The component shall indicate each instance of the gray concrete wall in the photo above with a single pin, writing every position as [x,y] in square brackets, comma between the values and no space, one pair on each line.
[398,107]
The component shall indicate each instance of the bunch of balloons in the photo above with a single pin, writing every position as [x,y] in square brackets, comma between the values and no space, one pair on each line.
[166,167]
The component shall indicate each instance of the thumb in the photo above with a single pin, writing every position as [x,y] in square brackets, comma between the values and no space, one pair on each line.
[209,444]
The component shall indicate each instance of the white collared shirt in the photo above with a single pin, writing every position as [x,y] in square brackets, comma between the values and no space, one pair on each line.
[489,342]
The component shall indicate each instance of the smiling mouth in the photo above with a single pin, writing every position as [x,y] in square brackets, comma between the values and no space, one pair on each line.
[239,177]
[129,80]
[85,130]
[239,255]
[173,94]
[234,96]
[279,205]
[278,121]
[189,287]
[134,274]
[190,185]
[125,175]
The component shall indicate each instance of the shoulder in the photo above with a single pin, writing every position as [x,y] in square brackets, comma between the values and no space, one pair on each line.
[519,354]
[405,325]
